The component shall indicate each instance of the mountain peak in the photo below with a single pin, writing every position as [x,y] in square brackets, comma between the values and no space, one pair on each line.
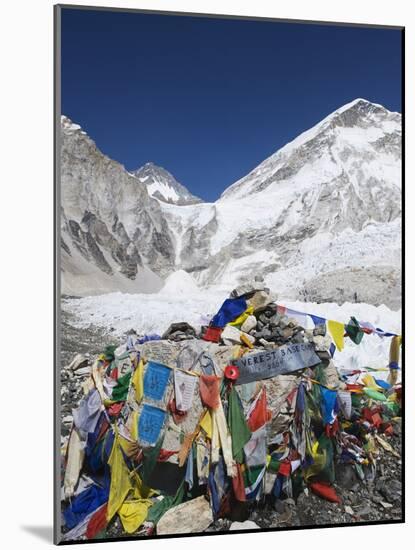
[349,128]
[163,186]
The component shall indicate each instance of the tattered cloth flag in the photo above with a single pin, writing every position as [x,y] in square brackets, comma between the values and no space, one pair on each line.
[259,415]
[353,330]
[324,490]
[336,330]
[209,390]
[252,480]
[184,388]
[156,378]
[86,416]
[150,424]
[301,318]
[237,425]
[345,400]
[256,448]
[229,311]
[119,393]
[328,405]
[317,320]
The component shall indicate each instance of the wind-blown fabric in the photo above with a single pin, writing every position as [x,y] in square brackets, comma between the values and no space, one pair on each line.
[74,461]
[209,390]
[119,393]
[229,311]
[256,448]
[221,438]
[336,330]
[86,416]
[353,330]
[259,415]
[328,405]
[85,503]
[318,320]
[238,427]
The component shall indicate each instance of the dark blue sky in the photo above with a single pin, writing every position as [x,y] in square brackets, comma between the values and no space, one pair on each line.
[209,99]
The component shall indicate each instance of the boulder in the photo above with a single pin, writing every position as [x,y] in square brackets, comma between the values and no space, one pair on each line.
[193,516]
[249,323]
[243,525]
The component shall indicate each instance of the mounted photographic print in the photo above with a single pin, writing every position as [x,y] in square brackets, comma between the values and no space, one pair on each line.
[228,196]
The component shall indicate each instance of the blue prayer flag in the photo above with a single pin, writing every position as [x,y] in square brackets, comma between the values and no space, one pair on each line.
[156,378]
[317,320]
[150,424]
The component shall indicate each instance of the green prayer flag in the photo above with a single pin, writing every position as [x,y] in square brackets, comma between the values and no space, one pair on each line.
[161,506]
[119,393]
[353,330]
[238,427]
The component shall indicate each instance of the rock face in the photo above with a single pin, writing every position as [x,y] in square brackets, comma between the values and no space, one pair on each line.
[114,236]
[320,218]
[163,186]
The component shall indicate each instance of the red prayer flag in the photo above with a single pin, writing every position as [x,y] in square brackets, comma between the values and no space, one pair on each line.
[97,523]
[238,485]
[260,414]
[209,390]
[325,491]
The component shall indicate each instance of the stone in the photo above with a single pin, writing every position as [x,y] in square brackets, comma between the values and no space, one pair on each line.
[346,476]
[261,299]
[287,333]
[298,338]
[349,510]
[249,323]
[243,525]
[320,330]
[180,329]
[193,516]
[83,371]
[322,343]
[248,289]
[79,361]
[231,335]
[265,333]
[284,321]
[265,343]
[391,489]
[386,504]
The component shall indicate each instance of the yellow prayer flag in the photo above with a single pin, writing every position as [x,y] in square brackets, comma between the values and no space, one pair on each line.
[121,483]
[336,330]
[133,513]
[370,382]
[137,381]
[242,317]
[206,424]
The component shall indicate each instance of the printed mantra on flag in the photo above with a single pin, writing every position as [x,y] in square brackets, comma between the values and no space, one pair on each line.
[259,366]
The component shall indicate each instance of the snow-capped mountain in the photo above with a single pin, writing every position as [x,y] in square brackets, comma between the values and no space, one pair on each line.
[320,218]
[114,236]
[163,186]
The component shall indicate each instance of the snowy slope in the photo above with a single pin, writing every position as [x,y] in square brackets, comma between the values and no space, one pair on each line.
[163,186]
[149,313]
[327,205]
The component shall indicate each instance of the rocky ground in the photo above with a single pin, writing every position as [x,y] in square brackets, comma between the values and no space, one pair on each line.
[89,341]
[362,501]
